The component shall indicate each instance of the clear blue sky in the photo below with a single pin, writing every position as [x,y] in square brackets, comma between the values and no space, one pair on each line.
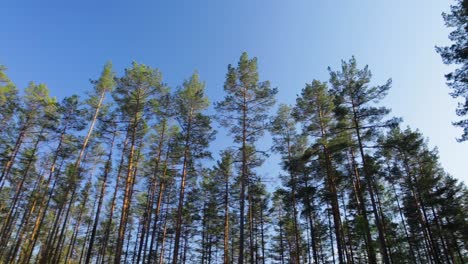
[65,43]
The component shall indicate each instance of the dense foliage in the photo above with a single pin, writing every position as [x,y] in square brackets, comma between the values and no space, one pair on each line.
[122,176]
[457,54]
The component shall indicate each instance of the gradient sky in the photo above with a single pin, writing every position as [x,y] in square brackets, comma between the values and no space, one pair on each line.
[64,44]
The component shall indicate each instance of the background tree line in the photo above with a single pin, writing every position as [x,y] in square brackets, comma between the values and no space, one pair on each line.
[125,176]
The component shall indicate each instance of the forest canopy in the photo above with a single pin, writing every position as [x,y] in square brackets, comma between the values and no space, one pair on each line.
[126,175]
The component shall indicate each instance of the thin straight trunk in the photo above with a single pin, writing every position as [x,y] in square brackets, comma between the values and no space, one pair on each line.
[442,239]
[405,229]
[163,242]
[107,170]
[77,227]
[47,247]
[262,235]
[330,234]
[51,253]
[294,203]
[363,210]
[129,237]
[232,248]
[331,182]
[251,235]
[184,258]
[310,206]
[382,217]
[113,203]
[281,235]
[129,183]
[71,246]
[243,177]
[140,224]
[87,234]
[204,232]
[433,243]
[422,217]
[309,253]
[182,189]
[162,186]
[226,219]
[350,258]
[151,197]
[370,187]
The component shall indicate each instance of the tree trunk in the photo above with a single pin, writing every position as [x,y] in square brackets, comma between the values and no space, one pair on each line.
[107,170]
[182,189]
[108,226]
[226,219]
[130,181]
[369,179]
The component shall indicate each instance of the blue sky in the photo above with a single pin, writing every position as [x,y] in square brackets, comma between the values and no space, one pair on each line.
[64,44]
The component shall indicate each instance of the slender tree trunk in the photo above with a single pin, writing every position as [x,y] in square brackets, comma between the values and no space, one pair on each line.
[182,189]
[330,234]
[281,235]
[226,219]
[262,235]
[244,177]
[439,232]
[350,258]
[163,242]
[107,170]
[87,234]
[77,227]
[130,181]
[313,239]
[113,202]
[405,229]
[363,210]
[294,203]
[151,197]
[251,235]
[382,217]
[331,182]
[204,232]
[162,186]
[370,187]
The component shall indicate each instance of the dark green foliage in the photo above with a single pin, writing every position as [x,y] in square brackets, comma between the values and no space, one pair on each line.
[140,185]
[457,54]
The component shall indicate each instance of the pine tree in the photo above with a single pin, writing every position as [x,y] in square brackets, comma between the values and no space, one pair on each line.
[315,109]
[457,54]
[244,111]
[135,94]
[284,133]
[356,98]
[196,134]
